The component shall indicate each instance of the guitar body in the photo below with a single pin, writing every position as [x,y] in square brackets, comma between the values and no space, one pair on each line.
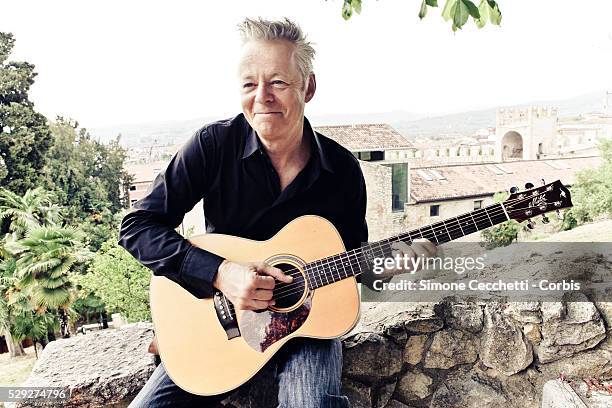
[194,346]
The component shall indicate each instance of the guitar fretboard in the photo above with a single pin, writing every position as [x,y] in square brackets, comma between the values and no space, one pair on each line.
[357,261]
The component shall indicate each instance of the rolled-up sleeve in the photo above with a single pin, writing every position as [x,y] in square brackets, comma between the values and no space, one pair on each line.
[148,230]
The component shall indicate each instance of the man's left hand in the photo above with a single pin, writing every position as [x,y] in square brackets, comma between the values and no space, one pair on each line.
[420,248]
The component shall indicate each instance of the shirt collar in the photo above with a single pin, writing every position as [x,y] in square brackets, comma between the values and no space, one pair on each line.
[253,144]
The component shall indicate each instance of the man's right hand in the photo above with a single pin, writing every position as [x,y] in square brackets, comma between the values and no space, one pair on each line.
[248,285]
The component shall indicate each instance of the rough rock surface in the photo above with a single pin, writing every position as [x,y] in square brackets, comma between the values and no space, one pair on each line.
[468,391]
[371,357]
[504,346]
[415,348]
[100,368]
[559,394]
[576,328]
[468,317]
[482,387]
[413,385]
[396,404]
[451,347]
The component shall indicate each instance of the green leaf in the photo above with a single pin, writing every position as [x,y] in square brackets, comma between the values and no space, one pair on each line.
[423,11]
[448,9]
[356,6]
[483,9]
[460,14]
[495,15]
[489,11]
[473,10]
[432,3]
[347,9]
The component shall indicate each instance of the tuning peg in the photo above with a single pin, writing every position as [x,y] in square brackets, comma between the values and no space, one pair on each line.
[559,215]
[543,182]
[545,219]
[528,185]
[530,224]
[513,189]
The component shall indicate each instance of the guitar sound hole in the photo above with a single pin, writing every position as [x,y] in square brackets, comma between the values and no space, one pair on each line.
[289,294]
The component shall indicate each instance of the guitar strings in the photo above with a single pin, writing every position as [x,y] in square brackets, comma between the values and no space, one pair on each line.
[288,290]
[478,217]
[355,259]
[359,257]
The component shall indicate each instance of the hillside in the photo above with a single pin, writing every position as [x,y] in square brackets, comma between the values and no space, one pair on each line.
[411,125]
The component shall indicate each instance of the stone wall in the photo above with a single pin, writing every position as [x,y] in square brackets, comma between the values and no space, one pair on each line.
[439,355]
[455,354]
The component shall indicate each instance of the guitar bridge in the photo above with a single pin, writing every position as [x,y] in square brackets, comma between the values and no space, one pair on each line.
[226,315]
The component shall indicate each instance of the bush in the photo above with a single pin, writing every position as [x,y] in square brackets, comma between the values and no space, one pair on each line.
[120,281]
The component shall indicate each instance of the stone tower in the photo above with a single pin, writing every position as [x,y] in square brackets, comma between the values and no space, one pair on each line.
[524,133]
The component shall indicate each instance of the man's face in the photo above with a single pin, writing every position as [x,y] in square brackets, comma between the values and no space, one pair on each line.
[272,90]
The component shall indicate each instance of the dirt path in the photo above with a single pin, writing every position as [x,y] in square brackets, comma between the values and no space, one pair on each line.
[14,371]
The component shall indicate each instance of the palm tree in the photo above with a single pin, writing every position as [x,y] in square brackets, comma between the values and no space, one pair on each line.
[19,318]
[45,258]
[18,215]
[35,208]
[7,318]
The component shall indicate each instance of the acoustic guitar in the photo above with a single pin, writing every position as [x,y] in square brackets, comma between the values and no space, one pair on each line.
[322,301]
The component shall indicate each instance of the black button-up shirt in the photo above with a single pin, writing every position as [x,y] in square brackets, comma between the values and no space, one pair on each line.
[225,164]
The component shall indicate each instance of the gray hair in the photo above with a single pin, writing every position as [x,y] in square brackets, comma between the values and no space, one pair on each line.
[261,29]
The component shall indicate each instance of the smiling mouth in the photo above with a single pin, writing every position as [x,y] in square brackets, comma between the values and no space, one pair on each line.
[267,113]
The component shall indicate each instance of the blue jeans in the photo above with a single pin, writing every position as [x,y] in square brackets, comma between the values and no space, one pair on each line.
[307,371]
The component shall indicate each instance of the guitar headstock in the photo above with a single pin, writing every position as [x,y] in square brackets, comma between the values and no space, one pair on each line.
[534,201]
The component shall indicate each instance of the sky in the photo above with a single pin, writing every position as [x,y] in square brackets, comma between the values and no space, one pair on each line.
[118,62]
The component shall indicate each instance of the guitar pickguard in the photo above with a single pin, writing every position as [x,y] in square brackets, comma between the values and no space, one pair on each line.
[262,329]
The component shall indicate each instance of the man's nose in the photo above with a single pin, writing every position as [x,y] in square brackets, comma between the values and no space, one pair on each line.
[263,94]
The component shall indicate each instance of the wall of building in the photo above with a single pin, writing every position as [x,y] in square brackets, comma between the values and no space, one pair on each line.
[140,190]
[417,214]
[382,221]
[536,125]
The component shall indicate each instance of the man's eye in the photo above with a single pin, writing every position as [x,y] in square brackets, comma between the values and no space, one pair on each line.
[248,85]
[278,82]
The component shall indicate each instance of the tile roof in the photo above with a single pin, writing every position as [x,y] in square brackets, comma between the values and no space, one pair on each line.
[378,136]
[465,180]
[145,172]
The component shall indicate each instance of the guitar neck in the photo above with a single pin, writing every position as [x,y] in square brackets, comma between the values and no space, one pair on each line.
[354,262]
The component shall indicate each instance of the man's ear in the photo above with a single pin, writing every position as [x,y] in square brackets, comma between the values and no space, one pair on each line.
[311,87]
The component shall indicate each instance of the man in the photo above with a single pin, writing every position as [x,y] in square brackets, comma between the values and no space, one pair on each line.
[256,172]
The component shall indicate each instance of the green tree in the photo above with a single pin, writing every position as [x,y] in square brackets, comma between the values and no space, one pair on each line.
[44,259]
[502,234]
[24,134]
[7,310]
[456,11]
[28,320]
[120,281]
[115,179]
[86,175]
[37,259]
[88,306]
[19,318]
[20,213]
[592,191]
[101,227]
